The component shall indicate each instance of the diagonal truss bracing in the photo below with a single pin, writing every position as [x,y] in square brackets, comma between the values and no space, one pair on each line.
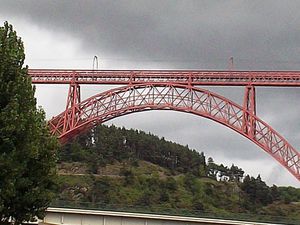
[186,77]
[185,98]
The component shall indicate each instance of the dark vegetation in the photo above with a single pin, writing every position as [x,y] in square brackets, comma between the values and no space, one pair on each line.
[27,150]
[115,168]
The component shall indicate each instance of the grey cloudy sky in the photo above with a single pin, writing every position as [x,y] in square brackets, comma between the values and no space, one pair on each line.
[260,35]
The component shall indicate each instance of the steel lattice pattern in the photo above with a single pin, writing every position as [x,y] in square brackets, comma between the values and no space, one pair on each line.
[192,77]
[184,98]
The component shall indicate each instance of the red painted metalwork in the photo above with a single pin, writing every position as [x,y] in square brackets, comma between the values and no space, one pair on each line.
[250,109]
[192,77]
[172,90]
[72,107]
[185,98]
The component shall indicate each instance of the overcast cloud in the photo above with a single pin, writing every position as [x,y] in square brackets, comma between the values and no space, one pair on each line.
[260,35]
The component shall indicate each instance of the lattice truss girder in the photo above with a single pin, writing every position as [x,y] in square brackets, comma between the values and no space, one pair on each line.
[193,77]
[129,99]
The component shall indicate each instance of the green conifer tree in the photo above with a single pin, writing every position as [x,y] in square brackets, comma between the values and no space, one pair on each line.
[27,150]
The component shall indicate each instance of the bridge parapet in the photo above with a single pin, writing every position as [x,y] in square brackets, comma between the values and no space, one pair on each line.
[192,77]
[59,216]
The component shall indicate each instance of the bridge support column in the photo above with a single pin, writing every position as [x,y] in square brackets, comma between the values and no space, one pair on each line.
[249,109]
[71,116]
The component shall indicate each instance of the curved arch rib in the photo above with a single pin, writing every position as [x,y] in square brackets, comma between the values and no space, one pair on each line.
[136,98]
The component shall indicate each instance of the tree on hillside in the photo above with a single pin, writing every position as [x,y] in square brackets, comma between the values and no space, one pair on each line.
[27,150]
[213,168]
[257,192]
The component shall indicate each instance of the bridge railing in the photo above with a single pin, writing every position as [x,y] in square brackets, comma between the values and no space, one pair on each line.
[194,77]
[221,214]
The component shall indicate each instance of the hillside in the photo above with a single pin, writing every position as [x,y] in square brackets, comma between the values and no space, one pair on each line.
[115,168]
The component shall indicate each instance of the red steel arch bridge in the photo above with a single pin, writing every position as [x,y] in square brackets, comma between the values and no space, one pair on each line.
[179,90]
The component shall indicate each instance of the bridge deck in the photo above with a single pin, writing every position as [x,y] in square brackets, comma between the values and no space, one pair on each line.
[193,77]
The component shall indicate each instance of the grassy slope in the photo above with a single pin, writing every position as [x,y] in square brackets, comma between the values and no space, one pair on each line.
[148,187]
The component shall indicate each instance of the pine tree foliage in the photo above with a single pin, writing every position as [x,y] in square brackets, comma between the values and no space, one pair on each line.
[138,171]
[27,150]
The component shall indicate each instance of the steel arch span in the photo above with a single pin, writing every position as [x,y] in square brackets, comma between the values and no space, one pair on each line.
[184,98]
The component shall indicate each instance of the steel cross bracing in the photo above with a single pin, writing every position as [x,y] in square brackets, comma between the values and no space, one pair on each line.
[130,99]
[192,77]
[172,90]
